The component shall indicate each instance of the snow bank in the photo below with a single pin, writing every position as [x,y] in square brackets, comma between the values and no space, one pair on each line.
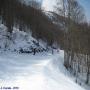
[57,73]
[19,40]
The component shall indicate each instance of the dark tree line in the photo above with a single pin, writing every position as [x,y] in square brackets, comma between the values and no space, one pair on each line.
[76,39]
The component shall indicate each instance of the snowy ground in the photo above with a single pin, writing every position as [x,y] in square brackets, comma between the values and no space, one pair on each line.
[39,72]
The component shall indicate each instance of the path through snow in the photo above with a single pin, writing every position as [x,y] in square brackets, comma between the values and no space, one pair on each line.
[40,72]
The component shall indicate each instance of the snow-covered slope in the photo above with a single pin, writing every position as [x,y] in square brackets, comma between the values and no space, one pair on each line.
[19,40]
[39,72]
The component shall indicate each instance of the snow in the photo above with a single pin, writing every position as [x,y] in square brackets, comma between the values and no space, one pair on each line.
[20,71]
[20,39]
[40,72]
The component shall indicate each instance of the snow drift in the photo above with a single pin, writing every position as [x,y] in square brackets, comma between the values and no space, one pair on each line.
[19,40]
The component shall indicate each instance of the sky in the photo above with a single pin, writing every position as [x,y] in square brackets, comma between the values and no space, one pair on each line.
[86,6]
[48,5]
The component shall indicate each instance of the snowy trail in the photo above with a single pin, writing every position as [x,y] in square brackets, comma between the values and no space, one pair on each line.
[40,72]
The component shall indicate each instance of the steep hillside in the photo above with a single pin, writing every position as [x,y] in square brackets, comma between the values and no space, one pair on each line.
[20,41]
[17,14]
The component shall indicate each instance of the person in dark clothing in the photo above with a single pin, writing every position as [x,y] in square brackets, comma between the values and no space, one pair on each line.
[34,51]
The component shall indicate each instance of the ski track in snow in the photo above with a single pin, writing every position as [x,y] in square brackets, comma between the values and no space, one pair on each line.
[39,72]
